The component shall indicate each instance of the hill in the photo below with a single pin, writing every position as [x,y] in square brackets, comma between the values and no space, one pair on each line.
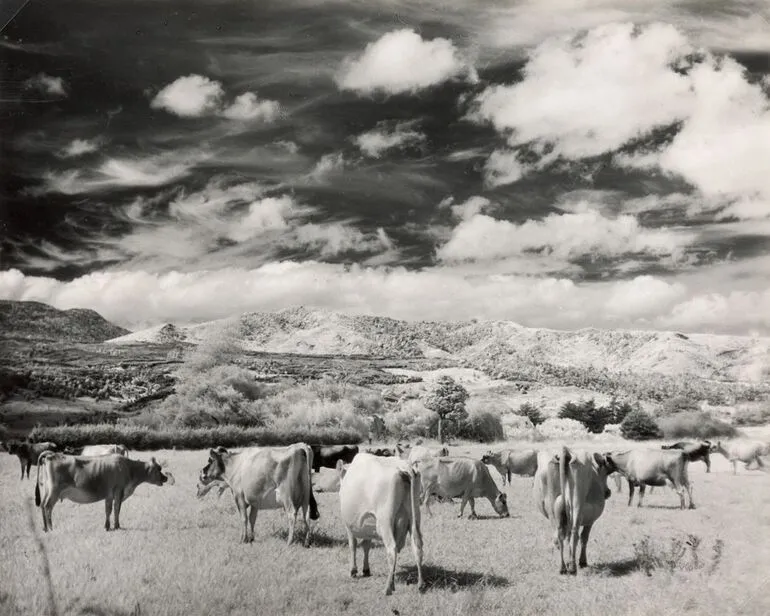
[502,349]
[34,321]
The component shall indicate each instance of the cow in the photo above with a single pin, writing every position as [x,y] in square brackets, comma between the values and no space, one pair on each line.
[741,451]
[508,461]
[327,456]
[570,490]
[383,452]
[693,451]
[420,452]
[331,481]
[266,478]
[379,498]
[652,467]
[463,477]
[28,452]
[84,480]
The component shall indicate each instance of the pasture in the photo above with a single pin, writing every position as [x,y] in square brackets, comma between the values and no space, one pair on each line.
[179,555]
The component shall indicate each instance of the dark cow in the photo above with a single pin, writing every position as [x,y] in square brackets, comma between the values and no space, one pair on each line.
[382,452]
[694,451]
[327,456]
[28,453]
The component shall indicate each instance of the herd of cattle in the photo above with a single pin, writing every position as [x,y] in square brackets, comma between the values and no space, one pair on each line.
[381,490]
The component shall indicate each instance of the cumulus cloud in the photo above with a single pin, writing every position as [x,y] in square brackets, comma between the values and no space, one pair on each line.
[46,84]
[585,233]
[269,214]
[433,293]
[402,61]
[248,107]
[375,142]
[467,209]
[192,96]
[196,96]
[79,147]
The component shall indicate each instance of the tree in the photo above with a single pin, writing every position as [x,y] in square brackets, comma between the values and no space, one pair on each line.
[447,400]
[586,412]
[531,412]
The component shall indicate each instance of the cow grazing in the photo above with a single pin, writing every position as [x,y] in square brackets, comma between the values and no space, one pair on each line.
[511,461]
[379,499]
[111,478]
[693,451]
[28,453]
[420,452]
[461,477]
[652,467]
[327,456]
[266,478]
[570,490]
[741,451]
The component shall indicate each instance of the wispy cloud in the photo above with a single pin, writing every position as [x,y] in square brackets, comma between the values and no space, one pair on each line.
[79,147]
[52,86]
[387,136]
[402,61]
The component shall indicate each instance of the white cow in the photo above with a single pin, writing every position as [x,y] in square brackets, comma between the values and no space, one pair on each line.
[379,498]
[741,451]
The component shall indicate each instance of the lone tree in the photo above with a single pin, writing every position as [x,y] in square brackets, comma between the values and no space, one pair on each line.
[447,400]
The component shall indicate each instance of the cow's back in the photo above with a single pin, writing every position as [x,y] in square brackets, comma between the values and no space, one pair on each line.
[452,475]
[523,462]
[653,465]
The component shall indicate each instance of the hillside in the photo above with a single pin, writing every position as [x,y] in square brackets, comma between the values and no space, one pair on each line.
[34,321]
[499,348]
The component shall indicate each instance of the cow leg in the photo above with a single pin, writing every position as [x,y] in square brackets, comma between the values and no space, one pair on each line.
[29,466]
[760,464]
[292,515]
[366,544]
[473,515]
[642,487]
[583,562]
[352,545]
[426,502]
[385,530]
[21,462]
[242,510]
[735,467]
[559,521]
[417,551]
[107,513]
[462,505]
[630,493]
[253,511]
[117,505]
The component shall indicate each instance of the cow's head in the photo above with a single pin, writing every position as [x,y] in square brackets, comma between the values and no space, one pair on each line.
[715,447]
[157,476]
[215,467]
[487,457]
[501,505]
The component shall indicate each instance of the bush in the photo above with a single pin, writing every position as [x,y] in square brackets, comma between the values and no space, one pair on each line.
[751,416]
[482,425]
[586,412]
[531,412]
[562,428]
[695,425]
[640,426]
[677,404]
[411,420]
[320,414]
[141,438]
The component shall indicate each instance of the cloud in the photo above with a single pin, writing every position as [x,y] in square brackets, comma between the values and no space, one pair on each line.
[269,214]
[53,86]
[337,238]
[402,61]
[375,142]
[503,167]
[192,96]
[79,147]
[433,294]
[327,165]
[585,233]
[468,209]
[248,107]
[196,96]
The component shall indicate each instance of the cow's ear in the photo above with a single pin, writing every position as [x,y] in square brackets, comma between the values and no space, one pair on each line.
[600,459]
[154,461]
[212,453]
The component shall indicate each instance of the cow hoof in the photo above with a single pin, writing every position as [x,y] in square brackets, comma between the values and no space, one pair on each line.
[582,564]
[366,573]
[422,587]
[353,573]
[473,516]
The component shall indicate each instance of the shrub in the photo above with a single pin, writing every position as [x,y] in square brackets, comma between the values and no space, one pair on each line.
[617,410]
[411,420]
[640,426]
[586,412]
[482,425]
[677,404]
[531,412]
[562,428]
[141,438]
[751,416]
[320,414]
[695,425]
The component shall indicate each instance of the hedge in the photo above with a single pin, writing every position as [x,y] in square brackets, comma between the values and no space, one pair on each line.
[142,438]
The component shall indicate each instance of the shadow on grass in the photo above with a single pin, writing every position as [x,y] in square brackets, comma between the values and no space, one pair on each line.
[672,507]
[448,579]
[617,568]
[320,538]
[98,610]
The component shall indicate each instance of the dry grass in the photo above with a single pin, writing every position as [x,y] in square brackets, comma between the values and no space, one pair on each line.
[179,555]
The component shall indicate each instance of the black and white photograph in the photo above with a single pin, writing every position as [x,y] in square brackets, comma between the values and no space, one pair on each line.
[388,308]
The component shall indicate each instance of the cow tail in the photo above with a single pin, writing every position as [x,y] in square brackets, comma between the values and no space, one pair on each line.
[563,483]
[414,489]
[40,463]
[314,515]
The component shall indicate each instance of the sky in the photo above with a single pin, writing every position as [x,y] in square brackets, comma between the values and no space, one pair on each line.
[557,163]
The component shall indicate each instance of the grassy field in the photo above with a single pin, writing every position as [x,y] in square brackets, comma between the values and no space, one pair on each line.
[179,555]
